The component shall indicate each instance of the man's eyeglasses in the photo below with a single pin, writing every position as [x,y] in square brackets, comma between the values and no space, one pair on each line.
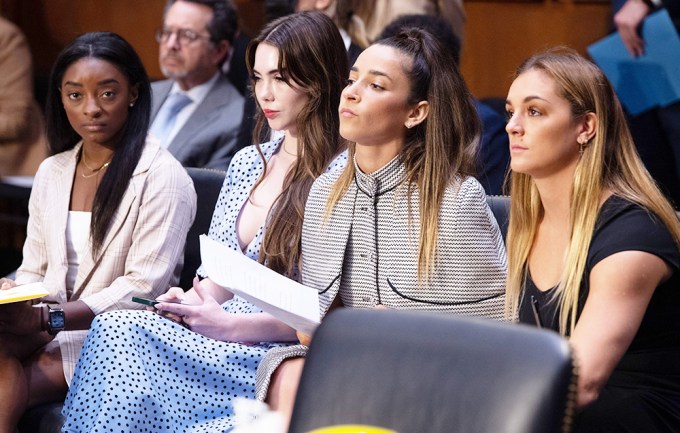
[184,36]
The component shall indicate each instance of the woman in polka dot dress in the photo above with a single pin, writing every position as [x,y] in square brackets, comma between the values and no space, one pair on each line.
[180,370]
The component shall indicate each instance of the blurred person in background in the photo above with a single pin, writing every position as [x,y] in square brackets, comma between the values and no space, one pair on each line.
[656,132]
[197,112]
[22,135]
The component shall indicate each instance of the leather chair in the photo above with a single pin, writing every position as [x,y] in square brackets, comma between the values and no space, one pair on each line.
[500,207]
[13,220]
[208,183]
[431,373]
[47,418]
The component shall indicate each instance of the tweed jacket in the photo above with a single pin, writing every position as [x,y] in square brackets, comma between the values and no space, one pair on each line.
[142,252]
[209,136]
[471,264]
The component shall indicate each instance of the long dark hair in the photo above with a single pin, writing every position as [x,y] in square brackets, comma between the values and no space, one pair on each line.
[445,144]
[61,136]
[441,148]
[312,56]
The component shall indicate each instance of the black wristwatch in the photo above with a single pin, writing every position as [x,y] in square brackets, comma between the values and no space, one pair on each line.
[55,320]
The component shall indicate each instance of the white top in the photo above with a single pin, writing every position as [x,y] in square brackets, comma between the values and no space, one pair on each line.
[77,236]
[345,38]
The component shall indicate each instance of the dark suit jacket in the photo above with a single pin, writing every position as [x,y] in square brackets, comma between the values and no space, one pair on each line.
[673,7]
[494,150]
[238,72]
[352,53]
[208,138]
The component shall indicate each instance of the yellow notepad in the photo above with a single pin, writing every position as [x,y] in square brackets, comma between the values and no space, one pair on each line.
[23,293]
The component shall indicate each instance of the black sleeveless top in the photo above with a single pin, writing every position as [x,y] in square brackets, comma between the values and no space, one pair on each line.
[624,226]
[643,392]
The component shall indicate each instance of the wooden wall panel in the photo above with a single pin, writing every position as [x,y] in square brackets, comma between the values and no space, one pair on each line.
[51,24]
[501,34]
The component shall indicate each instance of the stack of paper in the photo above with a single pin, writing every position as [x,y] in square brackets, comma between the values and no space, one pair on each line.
[291,302]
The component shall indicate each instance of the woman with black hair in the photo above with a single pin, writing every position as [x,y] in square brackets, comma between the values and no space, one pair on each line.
[185,376]
[109,213]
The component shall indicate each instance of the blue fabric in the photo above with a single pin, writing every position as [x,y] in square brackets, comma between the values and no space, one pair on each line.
[494,150]
[139,372]
[167,116]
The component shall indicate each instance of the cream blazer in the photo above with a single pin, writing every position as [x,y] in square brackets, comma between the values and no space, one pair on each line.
[142,253]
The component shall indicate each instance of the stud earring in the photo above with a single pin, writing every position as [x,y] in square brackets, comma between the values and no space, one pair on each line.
[409,125]
[132,104]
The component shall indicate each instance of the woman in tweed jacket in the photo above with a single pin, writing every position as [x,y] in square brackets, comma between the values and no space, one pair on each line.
[108,217]
[405,225]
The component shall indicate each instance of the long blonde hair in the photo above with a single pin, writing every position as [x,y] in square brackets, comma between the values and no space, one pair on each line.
[608,162]
[440,148]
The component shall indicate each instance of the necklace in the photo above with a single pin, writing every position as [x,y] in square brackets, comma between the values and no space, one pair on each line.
[95,171]
[284,149]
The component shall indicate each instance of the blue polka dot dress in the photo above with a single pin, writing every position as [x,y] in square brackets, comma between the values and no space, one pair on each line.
[139,372]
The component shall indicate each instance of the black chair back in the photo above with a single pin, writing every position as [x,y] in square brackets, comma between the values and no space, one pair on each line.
[432,373]
[500,207]
[208,183]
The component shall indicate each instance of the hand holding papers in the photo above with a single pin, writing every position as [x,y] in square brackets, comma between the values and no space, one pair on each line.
[650,80]
[291,302]
[24,292]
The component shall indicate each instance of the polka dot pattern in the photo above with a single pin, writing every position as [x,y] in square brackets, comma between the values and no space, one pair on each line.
[139,372]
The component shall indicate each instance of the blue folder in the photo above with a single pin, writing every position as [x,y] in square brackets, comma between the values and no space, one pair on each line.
[651,80]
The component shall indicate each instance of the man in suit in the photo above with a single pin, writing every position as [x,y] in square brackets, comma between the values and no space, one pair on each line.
[197,112]
[656,132]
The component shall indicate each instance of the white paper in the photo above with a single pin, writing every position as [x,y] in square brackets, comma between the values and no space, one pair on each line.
[289,301]
[22,181]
